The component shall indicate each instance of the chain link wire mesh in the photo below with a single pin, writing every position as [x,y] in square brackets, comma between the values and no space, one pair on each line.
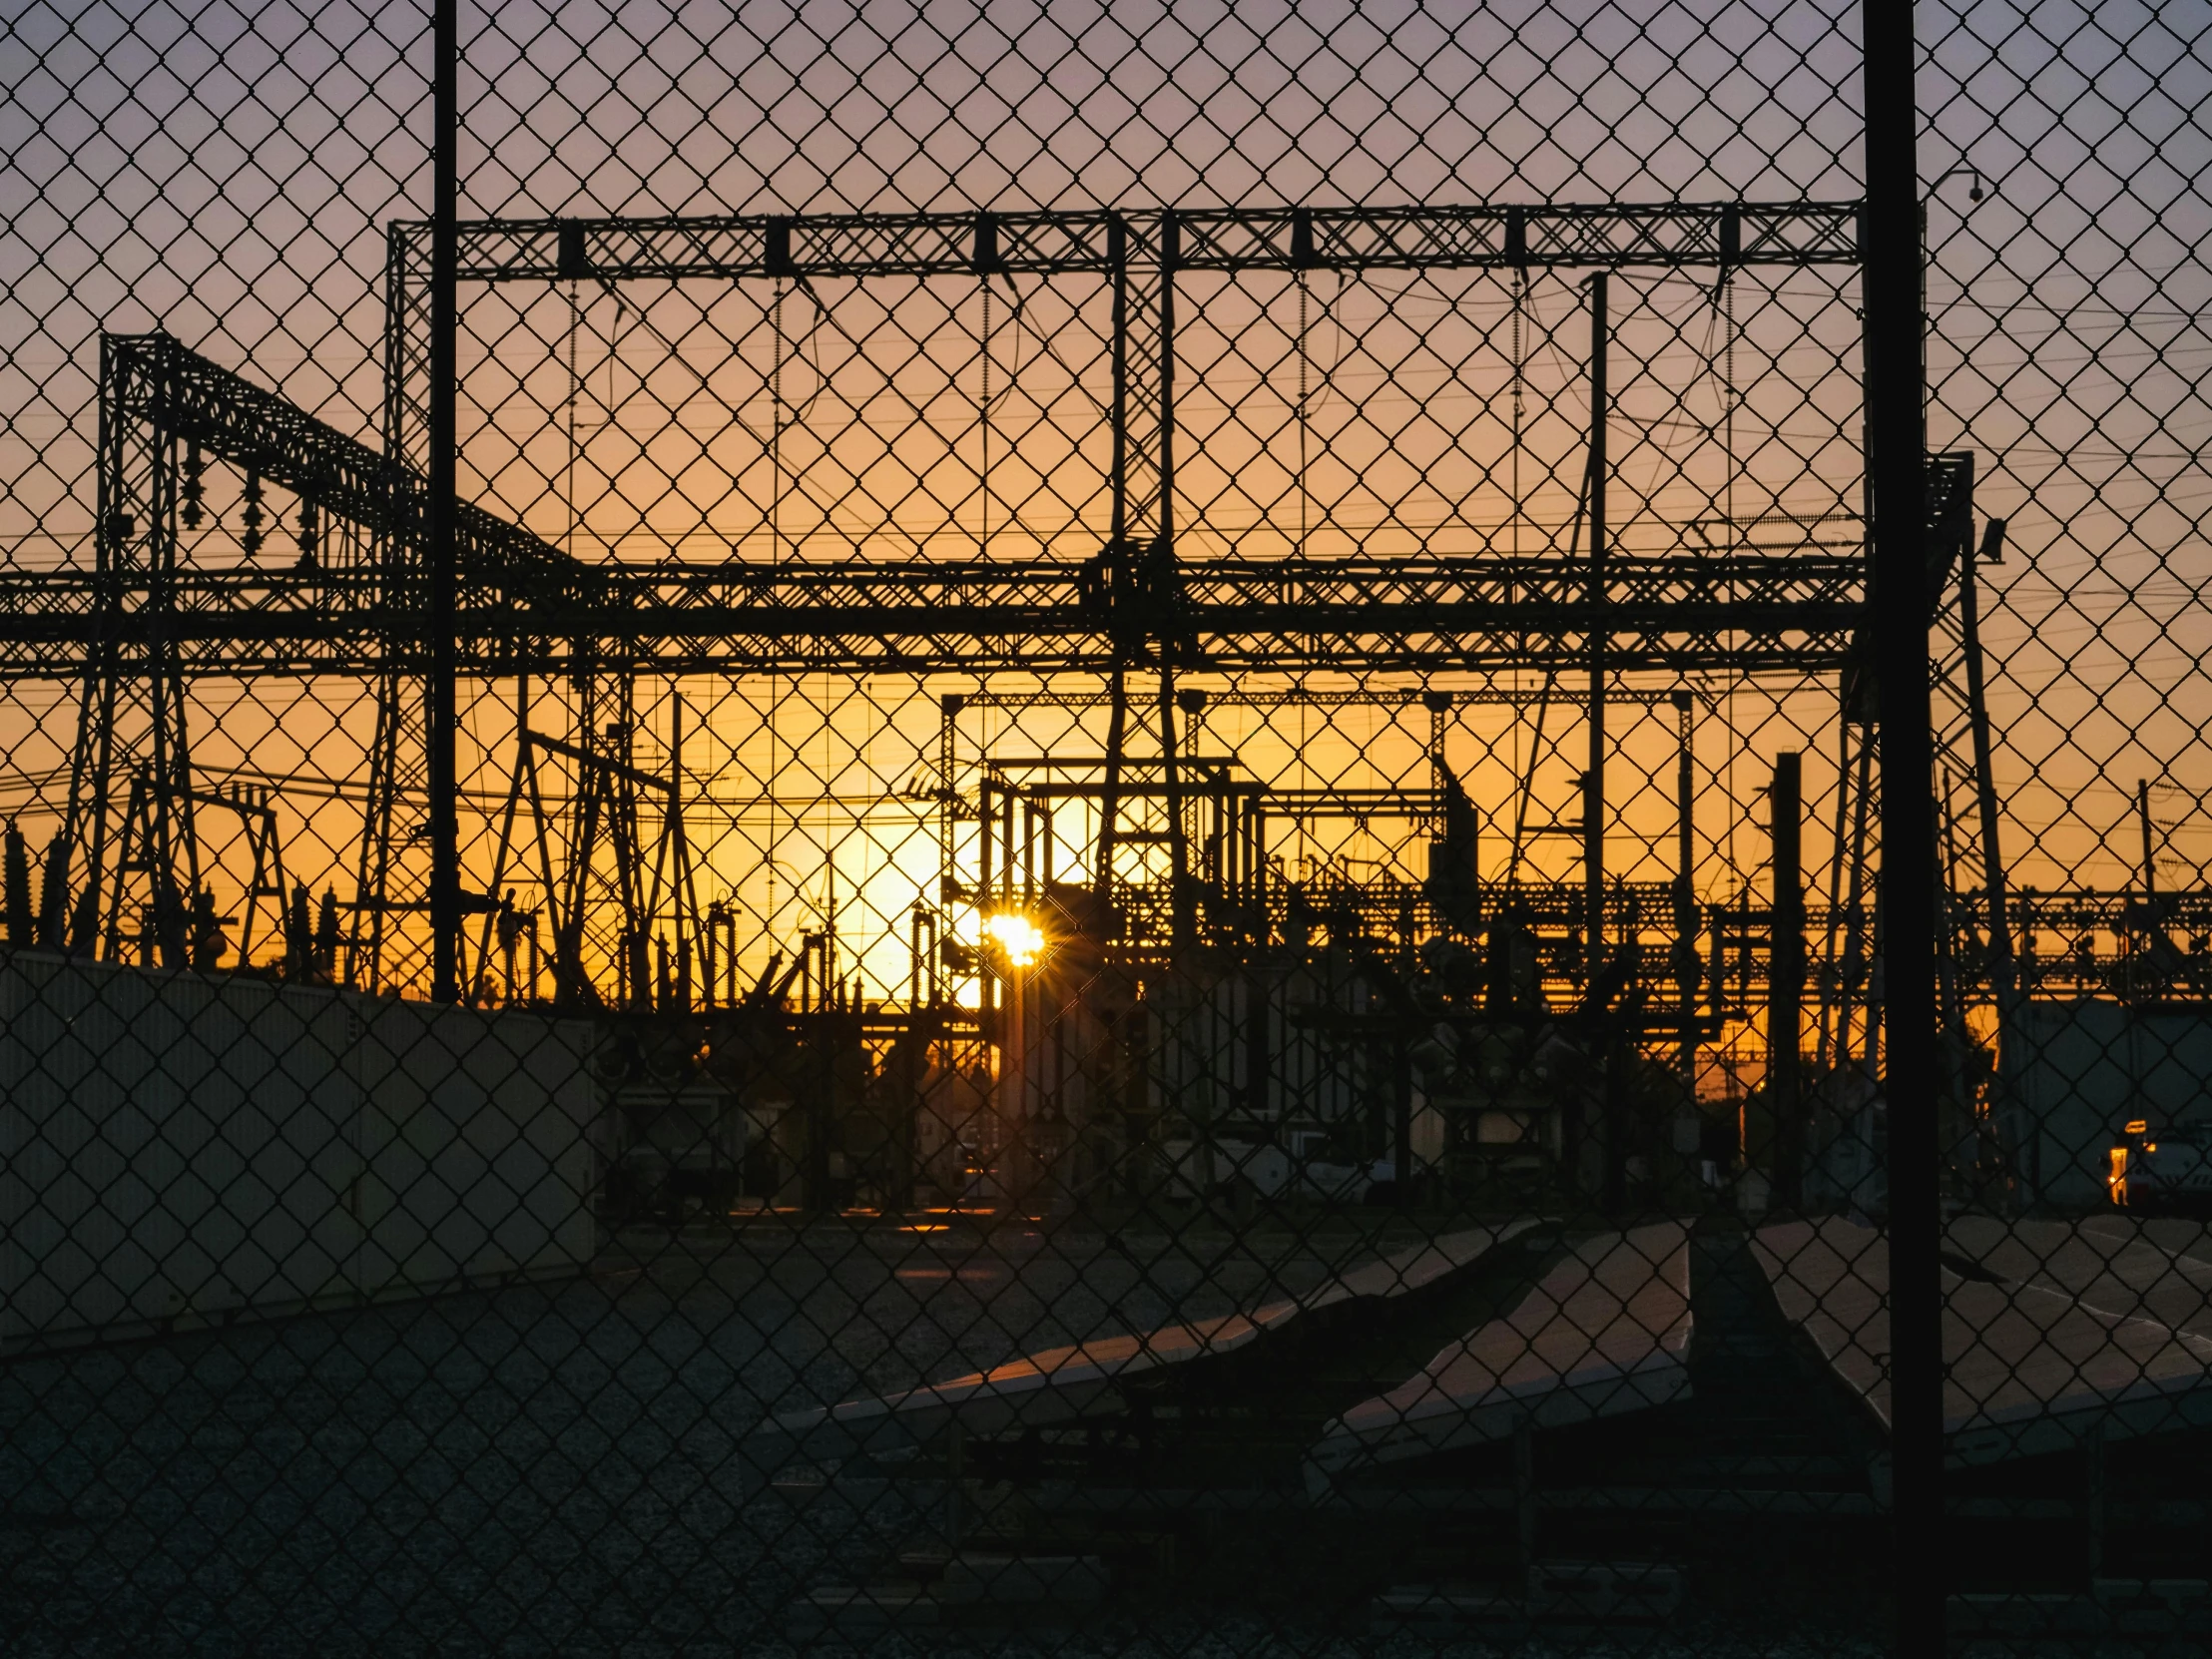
[1167,831]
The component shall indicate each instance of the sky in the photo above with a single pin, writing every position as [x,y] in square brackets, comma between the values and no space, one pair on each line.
[228,172]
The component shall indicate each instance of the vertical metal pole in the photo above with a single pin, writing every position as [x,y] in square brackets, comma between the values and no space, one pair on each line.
[909,1058]
[1786,980]
[949,802]
[672,847]
[2146,930]
[1853,974]
[1948,1000]
[1109,800]
[1170,252]
[1160,598]
[1117,571]
[1117,263]
[1984,776]
[439,594]
[1685,885]
[1896,467]
[822,1114]
[2150,864]
[985,827]
[174,846]
[1611,1153]
[1029,854]
[1829,1012]
[1685,801]
[1594,780]
[1259,1044]
[1182,912]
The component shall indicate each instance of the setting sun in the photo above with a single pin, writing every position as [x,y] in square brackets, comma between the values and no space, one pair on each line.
[1018,936]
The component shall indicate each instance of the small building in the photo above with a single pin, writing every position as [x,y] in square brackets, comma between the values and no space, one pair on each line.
[184,1149]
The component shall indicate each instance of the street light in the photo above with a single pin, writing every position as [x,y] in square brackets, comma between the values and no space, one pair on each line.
[1974,173]
[1973,196]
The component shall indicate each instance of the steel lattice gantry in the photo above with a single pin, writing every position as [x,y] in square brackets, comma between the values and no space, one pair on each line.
[143,617]
[524,603]
[1741,612]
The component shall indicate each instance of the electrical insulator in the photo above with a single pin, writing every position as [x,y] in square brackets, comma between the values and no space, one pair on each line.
[192,488]
[250,540]
[309,535]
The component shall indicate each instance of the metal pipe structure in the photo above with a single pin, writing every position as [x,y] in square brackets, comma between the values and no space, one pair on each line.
[1593,780]
[1897,478]
[505,603]
[2001,975]
[440,587]
[1786,980]
[522,606]
[1613,1190]
[1685,881]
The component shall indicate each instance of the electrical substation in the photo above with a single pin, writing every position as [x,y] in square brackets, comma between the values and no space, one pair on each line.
[1197,719]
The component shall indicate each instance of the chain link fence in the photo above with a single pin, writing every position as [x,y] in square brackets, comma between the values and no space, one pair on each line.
[1015,828]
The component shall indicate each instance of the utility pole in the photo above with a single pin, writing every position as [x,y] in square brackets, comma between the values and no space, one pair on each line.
[2150,866]
[1593,780]
[1897,447]
[1161,585]
[1117,574]
[1612,1166]
[1685,887]
[1984,776]
[1786,982]
[439,585]
[2140,980]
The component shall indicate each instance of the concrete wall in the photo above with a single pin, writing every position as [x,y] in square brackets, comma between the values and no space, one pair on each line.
[182,1149]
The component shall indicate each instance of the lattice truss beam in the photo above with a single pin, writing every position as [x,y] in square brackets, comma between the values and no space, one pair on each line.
[526,604]
[144,620]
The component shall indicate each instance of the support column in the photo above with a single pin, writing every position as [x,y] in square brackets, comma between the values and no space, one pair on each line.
[1985,776]
[1612,1154]
[439,586]
[1593,780]
[1786,982]
[1896,465]
[1685,888]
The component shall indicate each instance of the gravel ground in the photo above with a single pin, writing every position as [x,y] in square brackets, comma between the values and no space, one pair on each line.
[558,1470]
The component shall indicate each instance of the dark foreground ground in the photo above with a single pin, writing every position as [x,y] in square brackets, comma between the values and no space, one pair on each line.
[558,1470]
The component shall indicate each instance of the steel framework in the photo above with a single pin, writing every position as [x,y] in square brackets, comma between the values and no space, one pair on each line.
[140,623]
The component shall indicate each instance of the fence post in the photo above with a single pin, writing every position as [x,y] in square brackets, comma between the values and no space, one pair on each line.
[1896,464]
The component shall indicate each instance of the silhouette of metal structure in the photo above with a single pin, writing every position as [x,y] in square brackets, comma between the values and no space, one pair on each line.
[136,626]
[134,629]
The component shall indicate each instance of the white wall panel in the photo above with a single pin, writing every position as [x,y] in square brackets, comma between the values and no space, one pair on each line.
[182,1148]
